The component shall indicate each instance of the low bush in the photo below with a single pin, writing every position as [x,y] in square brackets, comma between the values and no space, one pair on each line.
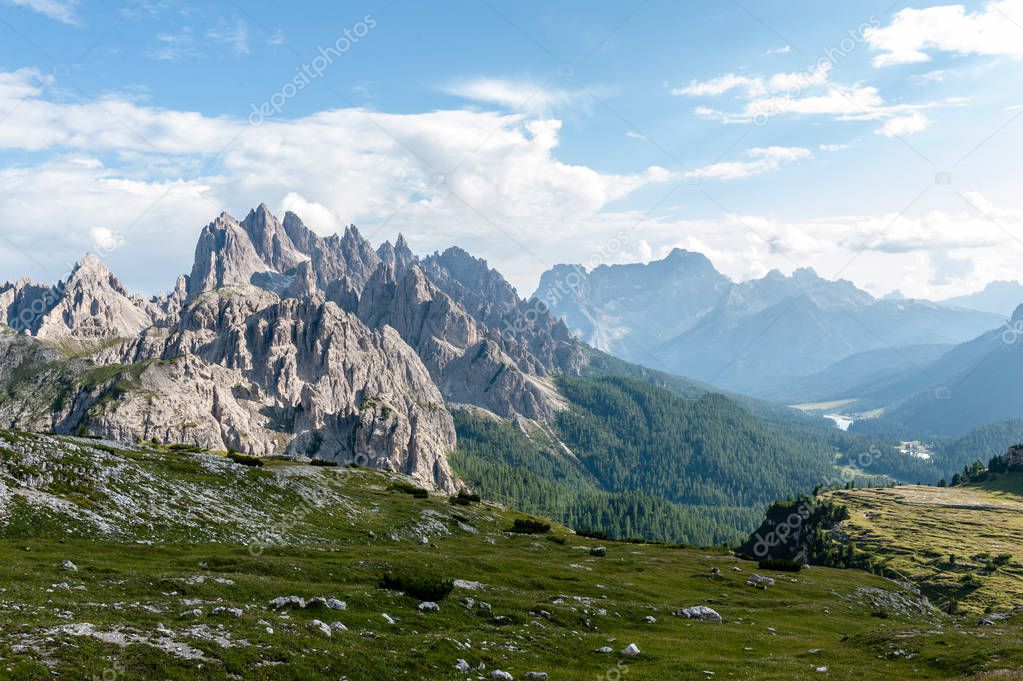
[421,585]
[417,492]
[323,462]
[463,498]
[530,526]
[593,534]
[245,459]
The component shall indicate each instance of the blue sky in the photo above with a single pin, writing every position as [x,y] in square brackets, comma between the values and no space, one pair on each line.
[767,135]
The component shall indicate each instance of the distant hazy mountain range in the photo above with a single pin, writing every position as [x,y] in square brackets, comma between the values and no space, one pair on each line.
[998,297]
[780,336]
[971,385]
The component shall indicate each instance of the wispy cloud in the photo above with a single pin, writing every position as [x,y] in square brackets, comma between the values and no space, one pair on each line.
[516,95]
[808,93]
[910,124]
[175,46]
[236,36]
[761,160]
[59,10]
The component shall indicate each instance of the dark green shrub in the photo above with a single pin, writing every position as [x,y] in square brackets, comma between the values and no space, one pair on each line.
[530,526]
[245,459]
[417,492]
[421,585]
[593,534]
[323,462]
[463,498]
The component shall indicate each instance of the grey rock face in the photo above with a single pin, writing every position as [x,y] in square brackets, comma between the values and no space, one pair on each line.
[536,340]
[248,371]
[467,365]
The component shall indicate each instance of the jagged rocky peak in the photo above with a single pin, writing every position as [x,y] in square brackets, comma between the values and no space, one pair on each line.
[399,256]
[271,240]
[90,304]
[224,256]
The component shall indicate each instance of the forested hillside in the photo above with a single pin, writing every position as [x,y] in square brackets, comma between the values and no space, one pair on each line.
[641,461]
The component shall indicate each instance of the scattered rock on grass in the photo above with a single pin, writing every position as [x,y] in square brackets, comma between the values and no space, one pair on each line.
[283,602]
[221,610]
[631,650]
[699,612]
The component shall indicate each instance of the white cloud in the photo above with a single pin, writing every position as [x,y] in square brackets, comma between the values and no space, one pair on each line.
[718,86]
[634,135]
[809,93]
[506,196]
[763,160]
[175,46]
[935,76]
[910,124]
[935,254]
[59,10]
[505,190]
[992,30]
[515,95]
[833,147]
[780,50]
[790,83]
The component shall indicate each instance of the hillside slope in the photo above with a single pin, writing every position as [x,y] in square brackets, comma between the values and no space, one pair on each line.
[960,546]
[153,563]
